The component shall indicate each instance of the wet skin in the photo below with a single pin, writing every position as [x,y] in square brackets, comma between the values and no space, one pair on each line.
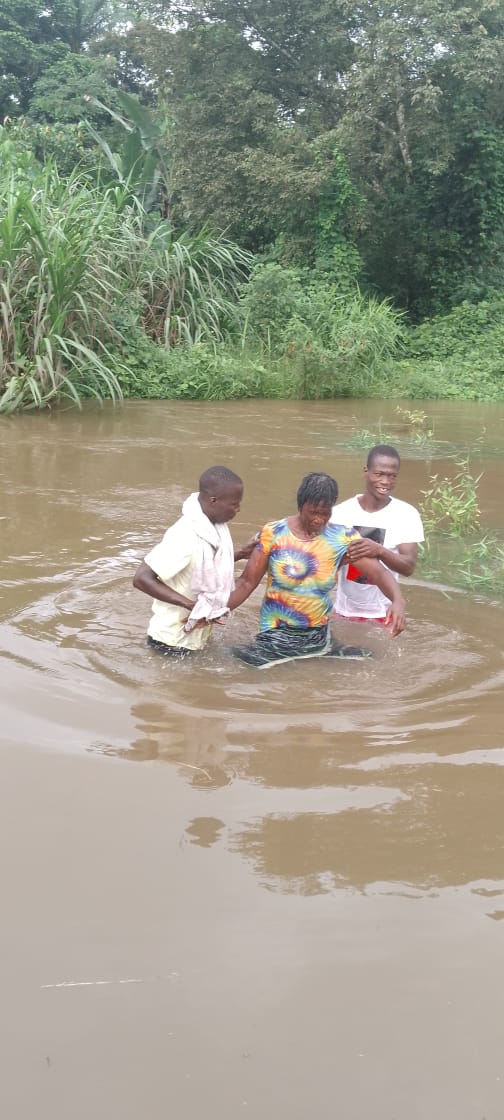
[306,524]
[380,481]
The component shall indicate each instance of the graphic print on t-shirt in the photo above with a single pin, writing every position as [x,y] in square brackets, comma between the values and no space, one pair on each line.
[402,524]
[373,533]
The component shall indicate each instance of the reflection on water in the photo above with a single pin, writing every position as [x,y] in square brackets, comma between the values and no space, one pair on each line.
[204,831]
[321,776]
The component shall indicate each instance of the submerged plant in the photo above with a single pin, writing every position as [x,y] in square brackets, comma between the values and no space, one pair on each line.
[450,505]
[480,564]
[414,417]
[476,564]
[363,439]
[453,547]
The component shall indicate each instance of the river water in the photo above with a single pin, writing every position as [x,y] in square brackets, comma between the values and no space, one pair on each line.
[293,906]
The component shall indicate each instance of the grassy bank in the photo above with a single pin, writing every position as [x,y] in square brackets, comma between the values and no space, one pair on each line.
[228,371]
[100,298]
[301,336]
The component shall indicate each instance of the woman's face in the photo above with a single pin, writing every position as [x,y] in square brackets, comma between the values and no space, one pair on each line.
[314,518]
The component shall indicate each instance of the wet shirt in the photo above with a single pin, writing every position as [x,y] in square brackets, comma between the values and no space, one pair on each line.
[397,523]
[173,562]
[301,574]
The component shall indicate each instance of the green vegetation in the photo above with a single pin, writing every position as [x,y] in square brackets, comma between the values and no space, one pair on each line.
[478,565]
[455,551]
[63,253]
[450,505]
[222,200]
[411,434]
[83,282]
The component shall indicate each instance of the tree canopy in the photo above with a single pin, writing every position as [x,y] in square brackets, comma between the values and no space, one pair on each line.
[362,136]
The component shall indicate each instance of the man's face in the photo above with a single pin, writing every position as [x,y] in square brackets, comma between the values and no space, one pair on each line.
[381,476]
[225,504]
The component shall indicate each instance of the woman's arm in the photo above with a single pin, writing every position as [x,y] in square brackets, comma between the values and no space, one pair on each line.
[250,578]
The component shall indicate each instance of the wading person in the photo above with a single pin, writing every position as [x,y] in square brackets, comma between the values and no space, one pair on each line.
[190,574]
[301,555]
[390,532]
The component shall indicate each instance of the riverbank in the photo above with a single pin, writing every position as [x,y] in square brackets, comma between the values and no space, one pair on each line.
[330,347]
[223,372]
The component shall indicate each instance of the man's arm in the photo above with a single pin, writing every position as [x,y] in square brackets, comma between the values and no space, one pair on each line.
[396,614]
[243,551]
[403,561]
[146,580]
[250,578]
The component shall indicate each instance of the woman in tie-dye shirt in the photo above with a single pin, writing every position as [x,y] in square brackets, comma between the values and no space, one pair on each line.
[300,555]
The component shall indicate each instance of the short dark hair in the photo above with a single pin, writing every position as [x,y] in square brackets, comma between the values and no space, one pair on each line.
[216,479]
[317,488]
[383,449]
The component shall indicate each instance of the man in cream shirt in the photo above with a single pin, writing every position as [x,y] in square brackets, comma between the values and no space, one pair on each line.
[189,574]
[391,531]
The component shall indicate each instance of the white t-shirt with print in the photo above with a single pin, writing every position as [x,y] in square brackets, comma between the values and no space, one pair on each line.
[173,562]
[397,523]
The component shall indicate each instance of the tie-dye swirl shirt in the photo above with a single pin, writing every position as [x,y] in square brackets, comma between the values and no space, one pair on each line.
[301,574]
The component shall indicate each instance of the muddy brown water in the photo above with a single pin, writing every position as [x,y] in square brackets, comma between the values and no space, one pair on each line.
[292,905]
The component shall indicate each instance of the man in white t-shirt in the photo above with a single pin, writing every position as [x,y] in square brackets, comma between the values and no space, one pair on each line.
[391,531]
[189,575]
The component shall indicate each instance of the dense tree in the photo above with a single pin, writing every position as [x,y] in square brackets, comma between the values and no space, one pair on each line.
[366,136]
[58,95]
[88,21]
[30,41]
[301,49]
[251,150]
[35,35]
[265,93]
[424,130]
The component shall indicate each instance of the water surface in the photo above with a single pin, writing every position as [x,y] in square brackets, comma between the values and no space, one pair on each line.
[293,906]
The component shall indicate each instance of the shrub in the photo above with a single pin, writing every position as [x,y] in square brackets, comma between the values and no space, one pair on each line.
[465,328]
[336,343]
[459,355]
[198,372]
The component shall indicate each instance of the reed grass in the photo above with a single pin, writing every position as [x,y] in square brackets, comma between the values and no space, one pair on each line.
[79,271]
[60,268]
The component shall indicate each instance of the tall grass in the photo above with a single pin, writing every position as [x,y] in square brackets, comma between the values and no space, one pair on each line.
[62,257]
[79,274]
[190,286]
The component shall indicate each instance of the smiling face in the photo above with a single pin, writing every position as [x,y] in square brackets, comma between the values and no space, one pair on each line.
[314,518]
[381,477]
